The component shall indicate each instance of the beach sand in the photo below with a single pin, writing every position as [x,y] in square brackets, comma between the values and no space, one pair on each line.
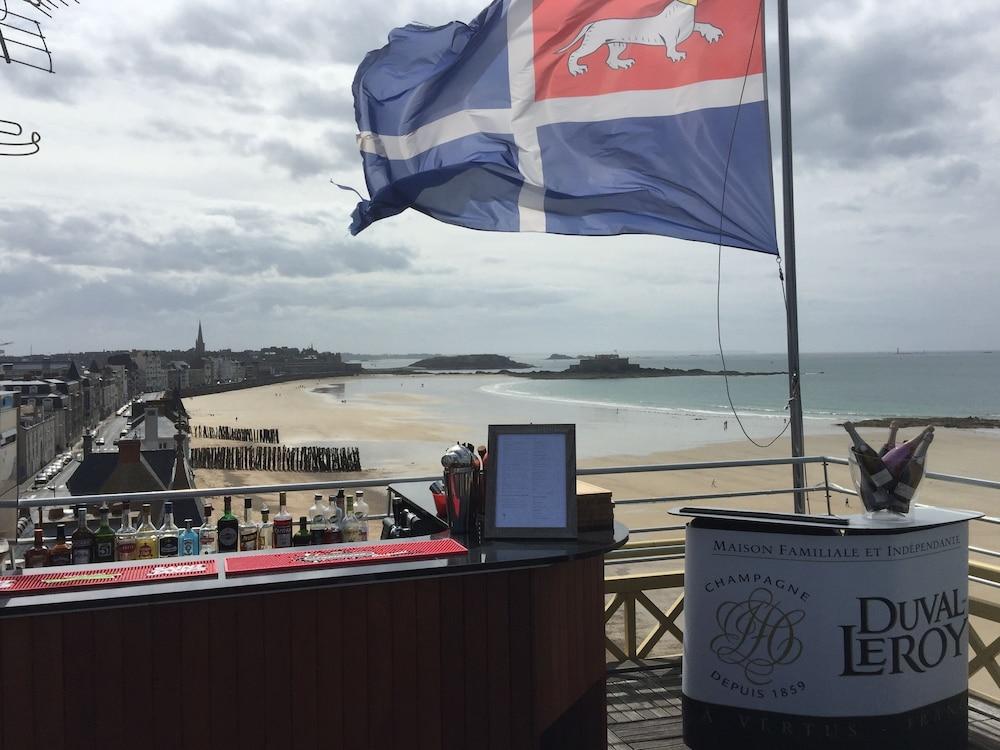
[421,427]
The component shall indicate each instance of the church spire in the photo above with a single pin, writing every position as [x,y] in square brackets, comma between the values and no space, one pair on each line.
[199,345]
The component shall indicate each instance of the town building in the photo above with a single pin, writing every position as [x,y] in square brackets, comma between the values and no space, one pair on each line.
[152,373]
[8,459]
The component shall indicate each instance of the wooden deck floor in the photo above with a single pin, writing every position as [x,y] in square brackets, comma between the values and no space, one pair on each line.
[644,713]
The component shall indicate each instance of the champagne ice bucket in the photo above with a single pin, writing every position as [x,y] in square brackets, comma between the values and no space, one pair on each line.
[458,472]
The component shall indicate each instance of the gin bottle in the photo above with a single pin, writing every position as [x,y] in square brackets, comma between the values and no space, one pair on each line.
[265,531]
[169,533]
[147,537]
[125,539]
[282,524]
[188,540]
[206,533]
[248,529]
[104,550]
[229,528]
[83,539]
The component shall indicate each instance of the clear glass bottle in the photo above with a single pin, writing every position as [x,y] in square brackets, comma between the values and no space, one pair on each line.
[282,524]
[228,528]
[361,511]
[169,533]
[147,537]
[37,556]
[248,529]
[84,541]
[60,554]
[265,530]
[125,540]
[319,512]
[188,542]
[104,550]
[206,533]
[332,534]
[351,530]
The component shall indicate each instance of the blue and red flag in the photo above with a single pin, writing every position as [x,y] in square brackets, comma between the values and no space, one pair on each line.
[591,117]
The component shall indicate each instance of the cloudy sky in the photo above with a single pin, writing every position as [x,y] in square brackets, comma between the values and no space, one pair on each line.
[187,149]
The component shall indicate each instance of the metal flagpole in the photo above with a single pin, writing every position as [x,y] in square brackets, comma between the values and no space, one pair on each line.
[792,310]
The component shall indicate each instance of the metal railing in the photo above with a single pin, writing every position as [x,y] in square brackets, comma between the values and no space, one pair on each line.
[636,594]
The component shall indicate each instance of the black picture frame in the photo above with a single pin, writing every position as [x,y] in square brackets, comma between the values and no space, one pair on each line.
[508,444]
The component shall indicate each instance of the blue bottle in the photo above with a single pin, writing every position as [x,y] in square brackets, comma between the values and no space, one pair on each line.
[188,540]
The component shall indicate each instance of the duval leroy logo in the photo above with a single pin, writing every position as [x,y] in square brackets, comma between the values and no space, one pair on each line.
[757,635]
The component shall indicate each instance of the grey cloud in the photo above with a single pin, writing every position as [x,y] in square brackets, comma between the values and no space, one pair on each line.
[956,174]
[72,79]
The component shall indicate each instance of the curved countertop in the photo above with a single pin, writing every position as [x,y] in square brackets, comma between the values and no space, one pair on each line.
[490,556]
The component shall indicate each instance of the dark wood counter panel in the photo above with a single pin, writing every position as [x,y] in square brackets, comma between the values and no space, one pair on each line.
[502,647]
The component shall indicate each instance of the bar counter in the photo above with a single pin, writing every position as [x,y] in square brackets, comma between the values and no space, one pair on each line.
[501,646]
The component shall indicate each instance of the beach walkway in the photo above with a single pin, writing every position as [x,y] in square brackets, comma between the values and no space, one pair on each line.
[644,713]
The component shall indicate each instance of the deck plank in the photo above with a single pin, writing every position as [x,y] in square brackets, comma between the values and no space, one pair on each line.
[644,712]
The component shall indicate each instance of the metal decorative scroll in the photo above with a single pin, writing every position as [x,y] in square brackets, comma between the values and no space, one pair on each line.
[22,40]
[12,143]
[327,557]
[68,579]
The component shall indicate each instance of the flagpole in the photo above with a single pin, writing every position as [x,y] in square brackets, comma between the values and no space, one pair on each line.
[792,309]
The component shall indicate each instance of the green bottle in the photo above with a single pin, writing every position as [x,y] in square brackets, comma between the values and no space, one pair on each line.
[105,549]
[302,537]
[228,528]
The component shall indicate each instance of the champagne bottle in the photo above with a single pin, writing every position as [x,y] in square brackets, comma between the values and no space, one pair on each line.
[83,539]
[897,458]
[37,556]
[868,460]
[229,527]
[60,553]
[125,540]
[890,442]
[906,487]
[282,524]
[104,551]
[302,537]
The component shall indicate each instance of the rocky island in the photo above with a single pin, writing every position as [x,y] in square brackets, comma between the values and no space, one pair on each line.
[607,366]
[468,362]
[560,356]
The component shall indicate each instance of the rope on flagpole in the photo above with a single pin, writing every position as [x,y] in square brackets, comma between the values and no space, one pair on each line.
[718,279]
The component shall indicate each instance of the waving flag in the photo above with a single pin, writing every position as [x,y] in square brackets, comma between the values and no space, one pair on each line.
[591,117]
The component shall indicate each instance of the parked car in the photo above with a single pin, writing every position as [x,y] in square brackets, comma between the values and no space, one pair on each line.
[99,441]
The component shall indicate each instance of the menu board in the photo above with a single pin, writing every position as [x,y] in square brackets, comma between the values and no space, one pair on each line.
[68,579]
[531,481]
[304,558]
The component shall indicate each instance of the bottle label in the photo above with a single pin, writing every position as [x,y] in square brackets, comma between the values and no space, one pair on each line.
[248,539]
[105,551]
[283,533]
[187,546]
[227,538]
[125,551]
[145,550]
[168,546]
[35,559]
[82,554]
[60,558]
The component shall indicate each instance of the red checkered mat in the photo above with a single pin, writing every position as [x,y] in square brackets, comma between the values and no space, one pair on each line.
[68,579]
[329,556]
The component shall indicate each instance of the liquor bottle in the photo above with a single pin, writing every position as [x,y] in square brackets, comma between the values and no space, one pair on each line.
[206,533]
[265,531]
[248,529]
[868,459]
[318,514]
[188,540]
[83,539]
[146,537]
[334,531]
[302,537]
[282,524]
[169,533]
[890,442]
[60,554]
[105,538]
[126,547]
[897,458]
[229,528]
[351,529]
[361,511]
[37,556]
